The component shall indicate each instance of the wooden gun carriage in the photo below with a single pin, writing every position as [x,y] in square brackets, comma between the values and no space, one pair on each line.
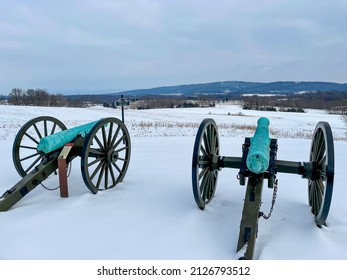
[104,147]
[259,162]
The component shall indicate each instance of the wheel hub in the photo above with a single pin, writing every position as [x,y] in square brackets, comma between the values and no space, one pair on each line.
[112,156]
[214,163]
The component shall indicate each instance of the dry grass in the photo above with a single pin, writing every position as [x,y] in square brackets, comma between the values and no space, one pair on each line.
[166,124]
[167,128]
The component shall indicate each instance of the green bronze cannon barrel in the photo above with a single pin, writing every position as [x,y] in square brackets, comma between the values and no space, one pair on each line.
[258,156]
[58,140]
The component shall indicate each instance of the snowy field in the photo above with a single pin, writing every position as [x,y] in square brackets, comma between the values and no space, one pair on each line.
[152,213]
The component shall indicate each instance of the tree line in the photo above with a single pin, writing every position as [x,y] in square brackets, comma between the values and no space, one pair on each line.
[40,97]
[332,101]
[155,102]
[35,97]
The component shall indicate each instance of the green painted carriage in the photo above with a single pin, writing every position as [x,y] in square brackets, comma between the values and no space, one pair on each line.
[103,146]
[257,163]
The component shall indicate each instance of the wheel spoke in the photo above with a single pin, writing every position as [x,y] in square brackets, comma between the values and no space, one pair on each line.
[203,186]
[45,128]
[206,187]
[215,176]
[203,162]
[213,142]
[95,153]
[207,144]
[210,138]
[37,131]
[121,149]
[112,175]
[320,189]
[116,166]
[119,140]
[106,175]
[28,147]
[33,164]
[96,169]
[95,161]
[99,142]
[101,174]
[310,192]
[53,128]
[314,201]
[203,151]
[323,160]
[109,139]
[321,174]
[216,147]
[30,156]
[203,172]
[318,197]
[32,138]
[321,151]
[115,136]
[317,140]
[210,187]
[104,136]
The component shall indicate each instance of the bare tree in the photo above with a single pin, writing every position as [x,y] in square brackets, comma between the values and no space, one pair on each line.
[42,97]
[16,96]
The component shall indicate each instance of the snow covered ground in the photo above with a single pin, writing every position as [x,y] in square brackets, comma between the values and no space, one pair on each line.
[152,213]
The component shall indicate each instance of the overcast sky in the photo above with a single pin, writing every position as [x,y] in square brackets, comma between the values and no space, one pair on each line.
[130,44]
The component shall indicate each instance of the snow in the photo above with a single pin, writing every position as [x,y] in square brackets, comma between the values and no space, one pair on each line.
[152,214]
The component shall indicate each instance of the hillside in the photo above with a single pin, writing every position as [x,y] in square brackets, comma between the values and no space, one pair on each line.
[239,88]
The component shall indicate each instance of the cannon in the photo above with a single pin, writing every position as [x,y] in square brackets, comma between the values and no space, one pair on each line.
[257,163]
[43,142]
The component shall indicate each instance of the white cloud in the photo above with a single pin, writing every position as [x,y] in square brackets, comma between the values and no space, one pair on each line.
[147,43]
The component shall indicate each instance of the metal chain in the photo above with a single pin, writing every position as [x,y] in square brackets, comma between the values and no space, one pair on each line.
[274,196]
[48,189]
[68,169]
[68,172]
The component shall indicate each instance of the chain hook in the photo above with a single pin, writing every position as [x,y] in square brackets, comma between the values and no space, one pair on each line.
[274,196]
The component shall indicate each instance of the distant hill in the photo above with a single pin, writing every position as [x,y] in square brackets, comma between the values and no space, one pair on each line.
[239,88]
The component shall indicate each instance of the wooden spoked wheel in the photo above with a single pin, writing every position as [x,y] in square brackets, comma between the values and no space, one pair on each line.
[24,152]
[204,163]
[106,155]
[320,186]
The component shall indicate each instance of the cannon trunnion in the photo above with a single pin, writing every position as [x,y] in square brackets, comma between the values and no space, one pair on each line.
[259,162]
[104,147]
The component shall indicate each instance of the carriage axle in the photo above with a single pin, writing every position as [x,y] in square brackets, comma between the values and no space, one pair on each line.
[305,169]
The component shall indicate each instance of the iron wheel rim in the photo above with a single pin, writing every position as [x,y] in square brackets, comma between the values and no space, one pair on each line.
[106,155]
[206,147]
[24,152]
[320,187]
